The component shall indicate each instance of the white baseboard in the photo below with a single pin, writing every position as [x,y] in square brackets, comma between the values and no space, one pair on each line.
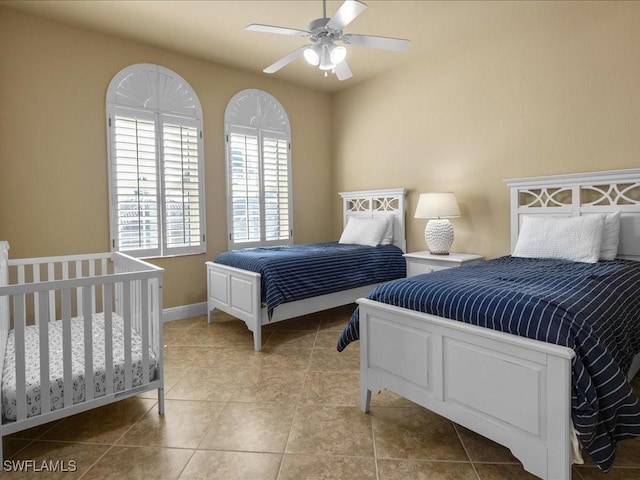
[184,311]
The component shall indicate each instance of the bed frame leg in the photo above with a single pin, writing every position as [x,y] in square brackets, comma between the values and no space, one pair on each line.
[161,401]
[365,399]
[257,339]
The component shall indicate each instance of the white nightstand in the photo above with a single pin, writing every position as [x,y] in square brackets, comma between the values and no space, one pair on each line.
[425,262]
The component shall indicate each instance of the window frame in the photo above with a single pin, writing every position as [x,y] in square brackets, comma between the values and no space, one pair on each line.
[256,113]
[155,93]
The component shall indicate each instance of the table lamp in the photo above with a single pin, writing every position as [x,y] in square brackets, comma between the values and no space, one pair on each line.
[438,207]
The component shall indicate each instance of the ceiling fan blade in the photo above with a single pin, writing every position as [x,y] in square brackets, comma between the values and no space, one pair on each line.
[273,68]
[294,32]
[384,43]
[347,12]
[342,71]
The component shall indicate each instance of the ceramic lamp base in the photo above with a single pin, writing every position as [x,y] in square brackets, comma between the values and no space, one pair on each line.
[439,236]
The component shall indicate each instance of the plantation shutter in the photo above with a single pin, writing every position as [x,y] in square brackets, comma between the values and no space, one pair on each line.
[182,179]
[259,201]
[136,182]
[156,163]
[275,154]
[245,187]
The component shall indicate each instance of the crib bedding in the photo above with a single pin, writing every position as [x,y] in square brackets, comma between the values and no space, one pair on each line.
[592,308]
[32,349]
[296,272]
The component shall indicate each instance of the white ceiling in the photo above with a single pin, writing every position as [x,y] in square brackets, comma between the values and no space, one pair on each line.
[215,30]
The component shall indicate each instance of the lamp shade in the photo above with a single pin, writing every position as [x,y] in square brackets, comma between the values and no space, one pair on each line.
[337,53]
[437,205]
[311,55]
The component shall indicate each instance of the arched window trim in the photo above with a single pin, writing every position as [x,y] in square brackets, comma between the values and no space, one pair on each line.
[255,121]
[164,116]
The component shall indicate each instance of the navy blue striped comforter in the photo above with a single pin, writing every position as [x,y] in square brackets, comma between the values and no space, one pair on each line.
[592,308]
[296,272]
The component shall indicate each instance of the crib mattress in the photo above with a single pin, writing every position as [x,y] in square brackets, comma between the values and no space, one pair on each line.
[56,377]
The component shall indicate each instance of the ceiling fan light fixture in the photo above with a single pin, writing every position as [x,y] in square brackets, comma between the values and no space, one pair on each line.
[311,56]
[337,54]
[325,59]
[323,33]
[326,66]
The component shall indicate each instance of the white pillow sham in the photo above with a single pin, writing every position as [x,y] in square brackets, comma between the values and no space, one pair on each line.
[370,231]
[610,236]
[569,238]
[387,238]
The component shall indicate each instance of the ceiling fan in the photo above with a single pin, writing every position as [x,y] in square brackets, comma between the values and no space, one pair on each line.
[324,32]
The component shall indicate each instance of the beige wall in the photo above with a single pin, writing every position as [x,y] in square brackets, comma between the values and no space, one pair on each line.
[554,91]
[53,165]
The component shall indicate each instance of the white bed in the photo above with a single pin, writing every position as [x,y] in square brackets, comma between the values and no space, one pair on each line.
[67,319]
[511,389]
[237,292]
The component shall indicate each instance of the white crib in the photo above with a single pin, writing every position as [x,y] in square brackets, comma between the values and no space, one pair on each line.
[67,319]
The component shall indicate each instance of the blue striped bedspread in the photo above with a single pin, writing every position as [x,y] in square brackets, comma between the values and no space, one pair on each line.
[592,308]
[296,272]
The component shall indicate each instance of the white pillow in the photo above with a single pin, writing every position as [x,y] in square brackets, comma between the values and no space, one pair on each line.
[365,230]
[387,238]
[610,236]
[568,238]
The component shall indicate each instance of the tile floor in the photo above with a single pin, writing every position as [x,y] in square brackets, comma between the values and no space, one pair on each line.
[290,412]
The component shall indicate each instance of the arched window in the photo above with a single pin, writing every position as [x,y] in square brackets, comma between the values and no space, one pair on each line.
[258,136]
[156,166]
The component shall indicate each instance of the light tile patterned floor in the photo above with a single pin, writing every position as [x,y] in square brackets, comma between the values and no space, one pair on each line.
[290,412]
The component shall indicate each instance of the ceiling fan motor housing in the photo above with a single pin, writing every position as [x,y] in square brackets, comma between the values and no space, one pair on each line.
[318,29]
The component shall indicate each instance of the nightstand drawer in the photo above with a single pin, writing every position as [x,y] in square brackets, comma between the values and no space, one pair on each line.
[424,262]
[414,268]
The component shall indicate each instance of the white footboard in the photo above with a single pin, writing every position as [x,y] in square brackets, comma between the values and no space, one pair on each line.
[237,292]
[513,390]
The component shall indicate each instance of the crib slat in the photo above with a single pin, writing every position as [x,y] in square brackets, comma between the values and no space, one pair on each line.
[156,323]
[136,305]
[108,338]
[118,306]
[20,273]
[89,386]
[43,333]
[79,289]
[126,290]
[92,274]
[104,272]
[66,348]
[20,319]
[36,296]
[52,293]
[144,328]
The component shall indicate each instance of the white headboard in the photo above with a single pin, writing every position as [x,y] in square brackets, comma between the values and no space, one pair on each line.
[372,203]
[582,194]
